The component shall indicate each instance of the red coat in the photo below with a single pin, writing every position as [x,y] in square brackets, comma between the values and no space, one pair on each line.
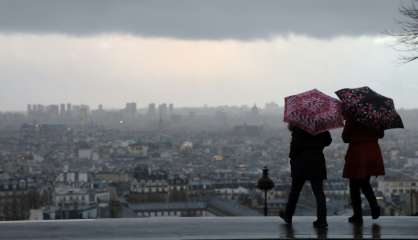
[364,157]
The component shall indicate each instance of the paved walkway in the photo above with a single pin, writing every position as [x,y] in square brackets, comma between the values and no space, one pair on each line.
[208,228]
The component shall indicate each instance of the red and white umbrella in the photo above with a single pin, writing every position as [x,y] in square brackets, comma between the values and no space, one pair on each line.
[313,111]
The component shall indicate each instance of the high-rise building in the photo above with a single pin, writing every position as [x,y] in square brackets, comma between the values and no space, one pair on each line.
[69,108]
[29,109]
[171,108]
[40,108]
[130,108]
[52,110]
[152,110]
[162,111]
[62,109]
[84,111]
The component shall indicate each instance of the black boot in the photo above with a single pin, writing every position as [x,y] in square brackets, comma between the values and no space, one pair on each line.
[287,219]
[375,212]
[356,219]
[320,224]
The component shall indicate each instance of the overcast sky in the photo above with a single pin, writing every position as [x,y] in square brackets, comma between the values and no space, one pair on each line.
[195,52]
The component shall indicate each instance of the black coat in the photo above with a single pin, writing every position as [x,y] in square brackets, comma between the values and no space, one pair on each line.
[307,160]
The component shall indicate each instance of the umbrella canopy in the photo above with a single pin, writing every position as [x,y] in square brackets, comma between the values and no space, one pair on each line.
[370,108]
[313,111]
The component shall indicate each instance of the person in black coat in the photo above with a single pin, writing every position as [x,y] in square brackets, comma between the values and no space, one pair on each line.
[307,163]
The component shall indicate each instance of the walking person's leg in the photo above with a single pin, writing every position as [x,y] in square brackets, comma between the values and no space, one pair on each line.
[321,207]
[368,192]
[295,189]
[355,185]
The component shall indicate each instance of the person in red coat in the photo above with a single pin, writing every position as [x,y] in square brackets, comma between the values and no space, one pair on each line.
[363,160]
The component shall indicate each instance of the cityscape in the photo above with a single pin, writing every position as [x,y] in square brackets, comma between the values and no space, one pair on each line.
[67,161]
[196,119]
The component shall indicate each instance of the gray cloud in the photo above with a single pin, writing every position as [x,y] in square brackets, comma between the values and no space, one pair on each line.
[200,19]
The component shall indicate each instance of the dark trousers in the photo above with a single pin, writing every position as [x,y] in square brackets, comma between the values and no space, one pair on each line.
[363,185]
[317,189]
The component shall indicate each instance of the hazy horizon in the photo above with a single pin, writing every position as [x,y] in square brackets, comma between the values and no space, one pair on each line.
[145,106]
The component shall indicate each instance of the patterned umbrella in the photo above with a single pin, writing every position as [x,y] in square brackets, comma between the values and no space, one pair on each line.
[370,108]
[313,111]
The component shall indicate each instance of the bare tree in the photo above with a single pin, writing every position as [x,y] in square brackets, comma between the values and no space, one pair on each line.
[407,37]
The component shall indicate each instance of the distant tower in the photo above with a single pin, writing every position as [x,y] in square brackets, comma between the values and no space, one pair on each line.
[254,110]
[41,108]
[100,107]
[69,108]
[84,112]
[52,110]
[152,110]
[162,111]
[29,110]
[171,108]
[130,108]
[62,109]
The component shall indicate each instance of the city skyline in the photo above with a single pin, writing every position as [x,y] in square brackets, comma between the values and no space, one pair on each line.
[145,106]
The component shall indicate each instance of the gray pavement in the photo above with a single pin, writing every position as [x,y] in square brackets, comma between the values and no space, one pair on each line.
[207,228]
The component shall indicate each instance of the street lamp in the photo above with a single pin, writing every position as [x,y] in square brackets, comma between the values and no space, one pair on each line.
[265,184]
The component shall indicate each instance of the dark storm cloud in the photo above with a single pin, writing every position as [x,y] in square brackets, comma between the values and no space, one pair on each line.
[200,19]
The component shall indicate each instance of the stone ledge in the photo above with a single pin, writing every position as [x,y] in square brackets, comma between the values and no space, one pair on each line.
[208,228]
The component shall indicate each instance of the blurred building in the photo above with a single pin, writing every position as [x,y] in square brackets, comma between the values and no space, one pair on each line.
[152,110]
[130,109]
[18,196]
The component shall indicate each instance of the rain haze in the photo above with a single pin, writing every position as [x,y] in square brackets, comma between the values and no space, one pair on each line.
[193,53]
[197,119]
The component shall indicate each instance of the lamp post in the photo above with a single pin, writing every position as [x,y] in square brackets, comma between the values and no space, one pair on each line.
[265,184]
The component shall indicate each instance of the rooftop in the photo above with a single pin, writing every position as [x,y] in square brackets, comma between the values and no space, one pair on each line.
[208,228]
